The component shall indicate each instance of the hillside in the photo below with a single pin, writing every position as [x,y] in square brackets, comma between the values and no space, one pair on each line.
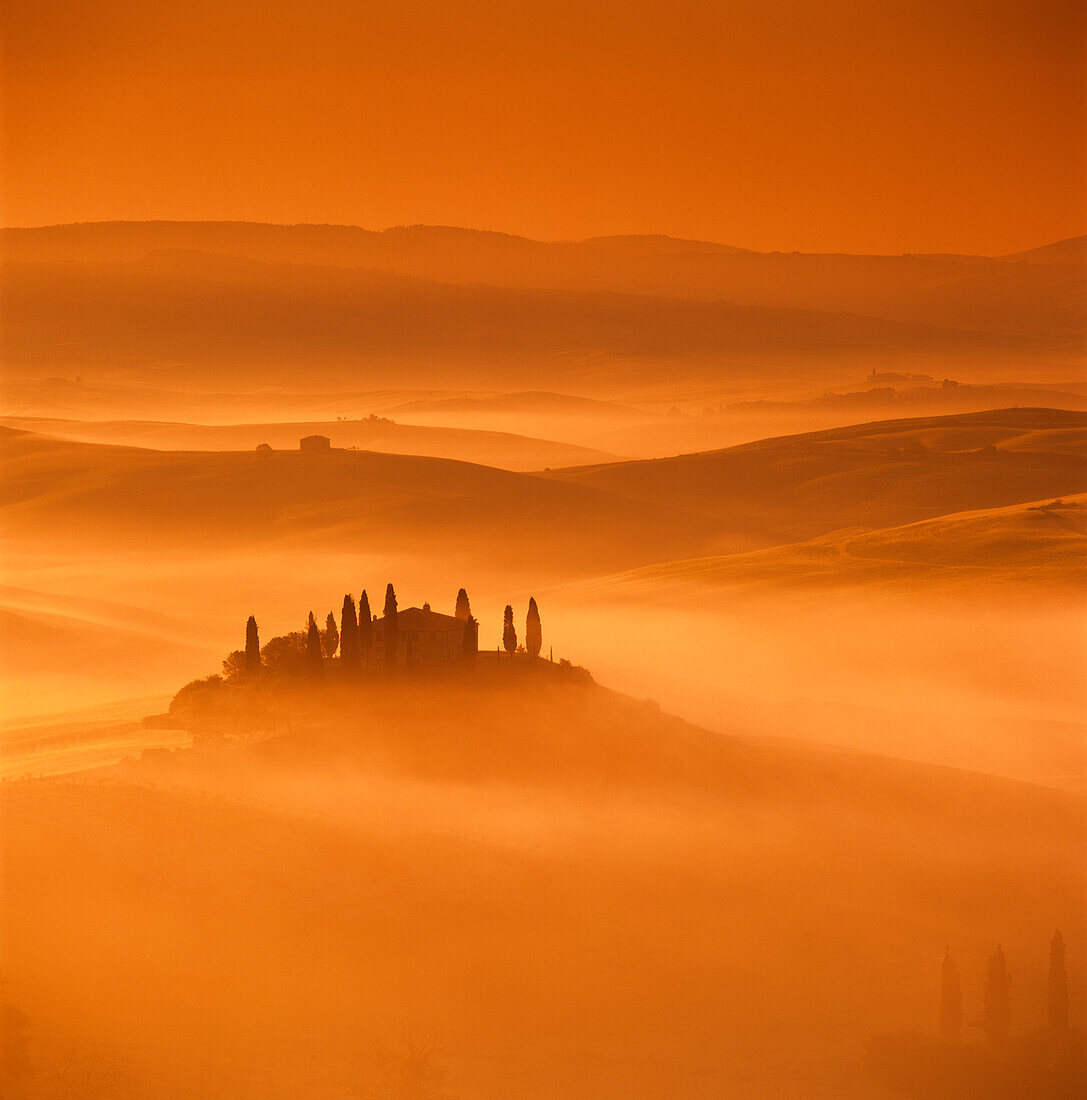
[873,475]
[704,425]
[599,518]
[55,647]
[1033,547]
[972,292]
[501,449]
[63,494]
[1071,251]
[570,893]
[528,403]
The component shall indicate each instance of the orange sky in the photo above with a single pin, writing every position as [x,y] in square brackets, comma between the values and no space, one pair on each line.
[852,125]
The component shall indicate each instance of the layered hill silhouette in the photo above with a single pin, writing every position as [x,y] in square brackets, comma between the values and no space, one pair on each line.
[600,518]
[96,495]
[202,317]
[713,425]
[502,449]
[1038,292]
[1035,546]
[873,475]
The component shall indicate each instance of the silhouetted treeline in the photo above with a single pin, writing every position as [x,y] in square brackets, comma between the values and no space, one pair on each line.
[361,641]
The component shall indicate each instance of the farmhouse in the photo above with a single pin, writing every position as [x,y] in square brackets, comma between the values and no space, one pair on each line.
[414,638]
[425,637]
[315,444]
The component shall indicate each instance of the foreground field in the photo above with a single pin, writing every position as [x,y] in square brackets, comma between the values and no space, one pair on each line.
[558,891]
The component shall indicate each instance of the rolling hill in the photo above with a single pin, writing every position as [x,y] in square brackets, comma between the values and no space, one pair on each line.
[874,475]
[600,518]
[63,495]
[1071,251]
[501,449]
[1034,547]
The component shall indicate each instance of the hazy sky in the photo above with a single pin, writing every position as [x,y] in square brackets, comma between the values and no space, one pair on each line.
[852,125]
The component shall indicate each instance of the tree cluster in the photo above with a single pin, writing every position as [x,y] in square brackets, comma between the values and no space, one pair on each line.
[348,645]
[996,1018]
[533,631]
[350,642]
[1047,1062]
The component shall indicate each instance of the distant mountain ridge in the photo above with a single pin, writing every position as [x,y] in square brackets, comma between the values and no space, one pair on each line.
[1042,297]
[126,239]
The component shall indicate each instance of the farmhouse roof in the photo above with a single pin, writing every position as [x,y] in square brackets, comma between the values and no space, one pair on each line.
[420,619]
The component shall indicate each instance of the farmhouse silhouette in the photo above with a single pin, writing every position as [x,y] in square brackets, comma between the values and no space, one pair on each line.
[399,639]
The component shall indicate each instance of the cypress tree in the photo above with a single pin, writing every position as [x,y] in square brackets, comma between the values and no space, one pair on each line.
[464,610]
[313,647]
[533,632]
[997,1018]
[509,635]
[950,1001]
[252,647]
[392,631]
[1057,990]
[366,627]
[331,636]
[349,634]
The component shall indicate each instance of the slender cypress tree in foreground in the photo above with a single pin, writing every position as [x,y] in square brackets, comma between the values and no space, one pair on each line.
[533,631]
[331,637]
[349,634]
[392,631]
[997,1009]
[950,1001]
[366,627]
[1057,990]
[471,629]
[313,647]
[509,635]
[464,610]
[252,646]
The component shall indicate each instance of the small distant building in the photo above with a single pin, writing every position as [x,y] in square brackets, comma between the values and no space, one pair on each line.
[426,637]
[315,444]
